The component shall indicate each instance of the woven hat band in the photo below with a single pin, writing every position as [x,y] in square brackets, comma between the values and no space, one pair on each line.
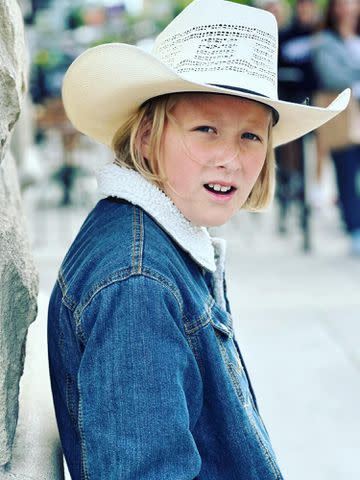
[221,50]
[275,113]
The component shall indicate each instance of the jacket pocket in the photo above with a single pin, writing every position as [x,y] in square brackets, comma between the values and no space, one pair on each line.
[222,327]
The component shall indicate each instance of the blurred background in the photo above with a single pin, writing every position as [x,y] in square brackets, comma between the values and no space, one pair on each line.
[293,271]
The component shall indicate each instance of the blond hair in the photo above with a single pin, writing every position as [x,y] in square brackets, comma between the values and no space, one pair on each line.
[151,117]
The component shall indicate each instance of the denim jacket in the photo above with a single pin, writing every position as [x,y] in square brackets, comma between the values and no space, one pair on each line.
[147,378]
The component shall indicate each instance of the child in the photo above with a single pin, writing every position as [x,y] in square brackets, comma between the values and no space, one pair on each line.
[147,378]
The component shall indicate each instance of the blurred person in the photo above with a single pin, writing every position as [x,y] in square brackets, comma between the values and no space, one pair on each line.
[278,8]
[148,379]
[297,82]
[297,78]
[336,60]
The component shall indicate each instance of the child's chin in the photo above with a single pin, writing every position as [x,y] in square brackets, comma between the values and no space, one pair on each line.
[214,222]
[210,218]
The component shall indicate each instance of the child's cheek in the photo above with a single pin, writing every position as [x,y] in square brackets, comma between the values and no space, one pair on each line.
[185,174]
[255,167]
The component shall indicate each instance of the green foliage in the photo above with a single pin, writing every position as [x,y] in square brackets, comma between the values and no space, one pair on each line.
[75,18]
[48,58]
[180,4]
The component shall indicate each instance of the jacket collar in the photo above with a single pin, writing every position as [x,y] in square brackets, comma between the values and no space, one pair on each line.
[125,183]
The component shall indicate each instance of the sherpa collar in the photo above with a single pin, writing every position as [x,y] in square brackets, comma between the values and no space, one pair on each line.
[122,182]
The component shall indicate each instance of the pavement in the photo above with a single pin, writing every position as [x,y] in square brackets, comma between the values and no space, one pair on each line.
[296,318]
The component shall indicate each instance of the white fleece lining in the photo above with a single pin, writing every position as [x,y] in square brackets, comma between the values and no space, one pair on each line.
[208,251]
[219,245]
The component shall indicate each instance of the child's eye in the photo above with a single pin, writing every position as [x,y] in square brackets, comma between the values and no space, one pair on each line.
[250,136]
[205,129]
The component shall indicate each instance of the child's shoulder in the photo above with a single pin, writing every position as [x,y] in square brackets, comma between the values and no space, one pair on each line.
[117,240]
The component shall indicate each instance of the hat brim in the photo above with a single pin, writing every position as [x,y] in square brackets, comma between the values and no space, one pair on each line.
[107,83]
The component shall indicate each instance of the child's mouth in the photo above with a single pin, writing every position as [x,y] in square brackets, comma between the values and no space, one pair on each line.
[218,189]
[223,193]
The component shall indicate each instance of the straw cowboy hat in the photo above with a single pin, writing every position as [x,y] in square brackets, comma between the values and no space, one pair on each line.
[212,46]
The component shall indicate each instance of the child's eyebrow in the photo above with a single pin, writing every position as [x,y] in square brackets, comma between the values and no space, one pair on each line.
[205,117]
[252,120]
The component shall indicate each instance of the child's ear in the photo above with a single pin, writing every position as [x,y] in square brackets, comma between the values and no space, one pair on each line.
[145,140]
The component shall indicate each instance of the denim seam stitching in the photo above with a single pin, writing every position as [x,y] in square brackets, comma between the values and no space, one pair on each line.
[113,278]
[166,283]
[238,366]
[230,367]
[269,457]
[82,439]
[121,277]
[134,240]
[138,236]
[65,298]
[192,340]
[141,239]
[201,321]
[69,398]
[250,416]
[61,342]
[229,326]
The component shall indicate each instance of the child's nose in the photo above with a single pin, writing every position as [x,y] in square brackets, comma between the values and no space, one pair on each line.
[230,159]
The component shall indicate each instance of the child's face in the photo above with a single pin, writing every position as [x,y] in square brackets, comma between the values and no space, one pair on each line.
[214,139]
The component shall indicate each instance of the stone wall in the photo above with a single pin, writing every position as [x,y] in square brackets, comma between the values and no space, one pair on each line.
[18,277]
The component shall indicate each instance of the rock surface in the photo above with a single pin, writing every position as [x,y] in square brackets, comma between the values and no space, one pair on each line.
[18,277]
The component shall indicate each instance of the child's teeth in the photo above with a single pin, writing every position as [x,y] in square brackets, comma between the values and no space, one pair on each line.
[218,187]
